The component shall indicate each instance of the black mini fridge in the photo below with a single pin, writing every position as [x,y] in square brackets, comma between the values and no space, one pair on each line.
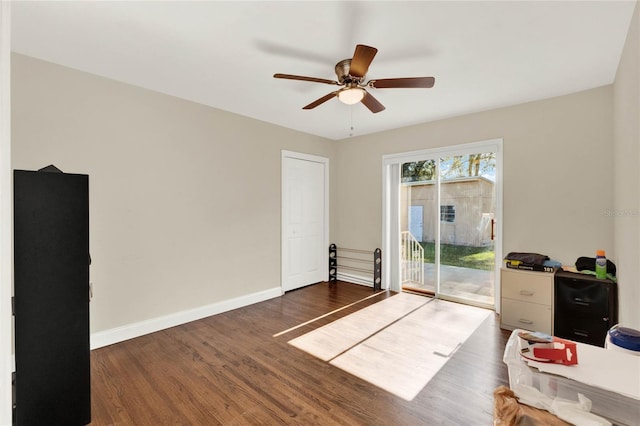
[51,298]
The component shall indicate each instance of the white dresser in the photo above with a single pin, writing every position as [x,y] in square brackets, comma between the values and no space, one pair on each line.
[526,300]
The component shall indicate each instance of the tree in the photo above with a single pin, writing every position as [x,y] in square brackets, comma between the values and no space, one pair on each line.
[469,165]
[418,171]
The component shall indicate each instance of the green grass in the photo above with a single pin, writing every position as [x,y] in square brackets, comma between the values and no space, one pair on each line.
[467,257]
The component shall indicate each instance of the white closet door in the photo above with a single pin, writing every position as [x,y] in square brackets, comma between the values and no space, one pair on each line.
[304,221]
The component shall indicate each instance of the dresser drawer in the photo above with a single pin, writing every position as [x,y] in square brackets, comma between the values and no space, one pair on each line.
[525,315]
[534,287]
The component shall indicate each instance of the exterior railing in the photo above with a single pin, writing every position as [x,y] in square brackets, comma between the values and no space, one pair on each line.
[412,255]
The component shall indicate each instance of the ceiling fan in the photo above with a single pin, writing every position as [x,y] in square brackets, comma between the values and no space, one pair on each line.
[351,75]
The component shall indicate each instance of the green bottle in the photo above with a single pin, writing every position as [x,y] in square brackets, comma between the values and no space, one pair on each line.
[601,265]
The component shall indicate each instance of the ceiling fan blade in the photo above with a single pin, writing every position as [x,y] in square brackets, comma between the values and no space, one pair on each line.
[303,78]
[320,101]
[412,82]
[372,103]
[362,58]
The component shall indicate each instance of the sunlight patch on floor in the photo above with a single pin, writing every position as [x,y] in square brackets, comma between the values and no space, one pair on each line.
[332,339]
[398,346]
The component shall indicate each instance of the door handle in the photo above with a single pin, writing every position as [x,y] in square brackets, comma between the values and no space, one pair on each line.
[493,233]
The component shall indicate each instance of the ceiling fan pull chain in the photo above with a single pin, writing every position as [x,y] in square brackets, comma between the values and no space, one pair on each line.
[351,128]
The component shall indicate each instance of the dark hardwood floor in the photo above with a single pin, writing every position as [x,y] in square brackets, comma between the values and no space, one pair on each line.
[228,369]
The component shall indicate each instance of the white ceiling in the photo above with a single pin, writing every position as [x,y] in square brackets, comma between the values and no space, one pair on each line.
[483,54]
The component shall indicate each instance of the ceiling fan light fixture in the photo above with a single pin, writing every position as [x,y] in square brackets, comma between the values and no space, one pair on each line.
[351,76]
[351,95]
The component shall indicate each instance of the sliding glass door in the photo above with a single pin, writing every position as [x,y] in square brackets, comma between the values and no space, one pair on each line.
[467,213]
[448,211]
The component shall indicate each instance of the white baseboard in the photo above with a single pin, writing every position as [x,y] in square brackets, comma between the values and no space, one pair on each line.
[355,279]
[129,331]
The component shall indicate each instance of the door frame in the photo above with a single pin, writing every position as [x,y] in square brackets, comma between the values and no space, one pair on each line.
[391,165]
[325,234]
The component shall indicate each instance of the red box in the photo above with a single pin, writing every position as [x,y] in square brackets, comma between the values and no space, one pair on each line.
[548,349]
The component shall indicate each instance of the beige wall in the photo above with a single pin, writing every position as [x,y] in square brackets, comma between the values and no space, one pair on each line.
[6,219]
[557,173]
[625,209]
[184,198]
[171,216]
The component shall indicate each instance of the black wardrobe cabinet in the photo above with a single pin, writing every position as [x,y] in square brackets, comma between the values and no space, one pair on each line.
[51,306]
[585,307]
